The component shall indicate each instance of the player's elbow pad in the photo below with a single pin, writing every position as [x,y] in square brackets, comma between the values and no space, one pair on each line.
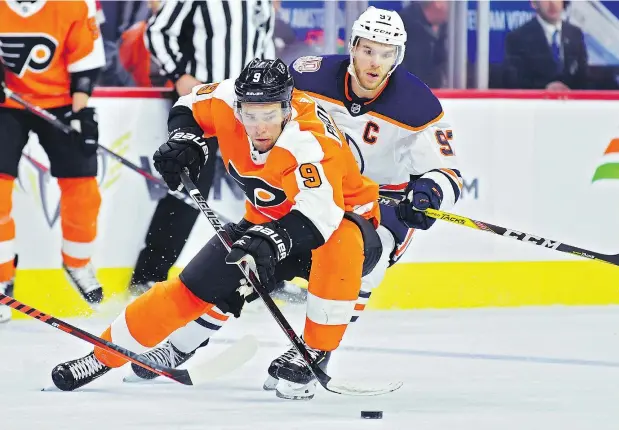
[181,117]
[302,231]
[84,81]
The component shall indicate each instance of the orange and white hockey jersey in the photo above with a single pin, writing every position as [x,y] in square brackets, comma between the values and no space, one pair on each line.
[309,169]
[43,42]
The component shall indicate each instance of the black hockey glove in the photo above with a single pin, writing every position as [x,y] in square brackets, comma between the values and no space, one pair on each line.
[86,127]
[185,148]
[2,95]
[421,194]
[266,244]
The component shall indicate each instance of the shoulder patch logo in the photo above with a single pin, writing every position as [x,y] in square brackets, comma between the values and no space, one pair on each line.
[22,52]
[307,64]
[206,89]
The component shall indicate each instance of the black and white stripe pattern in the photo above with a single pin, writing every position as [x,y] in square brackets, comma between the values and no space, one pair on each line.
[211,40]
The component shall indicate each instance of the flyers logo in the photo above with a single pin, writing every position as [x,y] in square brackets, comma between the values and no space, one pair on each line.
[22,52]
[259,192]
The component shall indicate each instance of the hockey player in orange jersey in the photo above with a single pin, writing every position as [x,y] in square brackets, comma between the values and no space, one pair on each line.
[396,128]
[307,206]
[52,52]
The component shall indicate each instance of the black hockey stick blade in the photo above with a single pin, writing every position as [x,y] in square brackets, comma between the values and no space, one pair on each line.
[329,384]
[512,234]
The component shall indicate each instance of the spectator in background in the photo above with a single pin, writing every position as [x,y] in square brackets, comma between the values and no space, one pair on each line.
[288,48]
[135,57]
[119,17]
[546,52]
[425,23]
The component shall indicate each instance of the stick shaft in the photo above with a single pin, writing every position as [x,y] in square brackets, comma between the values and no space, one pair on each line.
[512,234]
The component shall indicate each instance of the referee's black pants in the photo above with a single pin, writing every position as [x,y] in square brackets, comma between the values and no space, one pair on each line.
[169,229]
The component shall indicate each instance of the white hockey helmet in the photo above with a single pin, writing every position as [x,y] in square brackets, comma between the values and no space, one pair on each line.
[380,25]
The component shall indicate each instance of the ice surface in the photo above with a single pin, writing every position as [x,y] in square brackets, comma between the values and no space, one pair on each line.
[528,368]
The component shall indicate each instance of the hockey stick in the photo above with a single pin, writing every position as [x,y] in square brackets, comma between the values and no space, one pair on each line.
[329,383]
[203,371]
[512,234]
[67,129]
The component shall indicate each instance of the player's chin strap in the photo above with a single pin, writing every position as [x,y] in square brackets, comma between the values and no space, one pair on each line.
[513,234]
[329,383]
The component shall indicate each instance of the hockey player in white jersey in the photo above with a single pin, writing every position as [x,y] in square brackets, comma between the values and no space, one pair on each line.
[395,126]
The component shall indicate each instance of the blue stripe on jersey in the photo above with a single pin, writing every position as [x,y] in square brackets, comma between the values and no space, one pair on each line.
[406,99]
[365,294]
[207,324]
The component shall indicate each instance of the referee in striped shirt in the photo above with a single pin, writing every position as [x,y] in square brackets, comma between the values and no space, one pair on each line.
[209,41]
[196,42]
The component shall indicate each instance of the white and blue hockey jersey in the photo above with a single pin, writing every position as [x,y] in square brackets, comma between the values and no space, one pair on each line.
[397,136]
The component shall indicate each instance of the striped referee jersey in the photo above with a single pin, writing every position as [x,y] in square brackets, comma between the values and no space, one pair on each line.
[211,40]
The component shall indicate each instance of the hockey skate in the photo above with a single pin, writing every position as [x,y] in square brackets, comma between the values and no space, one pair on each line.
[5,311]
[295,381]
[77,373]
[165,354]
[84,280]
[271,381]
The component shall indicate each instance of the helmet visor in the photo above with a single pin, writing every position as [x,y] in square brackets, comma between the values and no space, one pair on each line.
[254,114]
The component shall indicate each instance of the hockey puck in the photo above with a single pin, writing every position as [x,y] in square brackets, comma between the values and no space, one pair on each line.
[372,415]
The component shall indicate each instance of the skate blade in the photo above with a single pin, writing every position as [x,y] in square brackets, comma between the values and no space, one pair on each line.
[270,384]
[291,391]
[293,397]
